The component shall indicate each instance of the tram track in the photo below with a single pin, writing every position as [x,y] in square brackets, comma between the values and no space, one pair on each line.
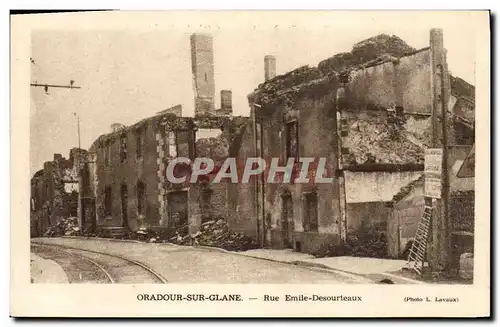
[97,266]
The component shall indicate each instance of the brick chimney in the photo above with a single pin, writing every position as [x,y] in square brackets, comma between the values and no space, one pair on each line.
[226,103]
[226,99]
[269,67]
[202,64]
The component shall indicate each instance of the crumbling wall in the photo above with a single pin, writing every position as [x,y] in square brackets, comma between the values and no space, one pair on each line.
[461,211]
[367,217]
[459,87]
[465,109]
[379,137]
[373,87]
[53,195]
[384,71]
[364,51]
[407,209]
[242,214]
[150,168]
[129,172]
[378,186]
[414,83]
[313,107]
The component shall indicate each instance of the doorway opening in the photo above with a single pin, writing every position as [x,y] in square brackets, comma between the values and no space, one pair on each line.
[287,221]
[178,211]
[124,203]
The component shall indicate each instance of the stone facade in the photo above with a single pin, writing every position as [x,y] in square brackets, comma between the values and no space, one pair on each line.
[55,191]
[130,182]
[368,112]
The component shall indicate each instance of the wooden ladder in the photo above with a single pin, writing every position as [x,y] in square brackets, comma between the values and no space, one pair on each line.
[418,249]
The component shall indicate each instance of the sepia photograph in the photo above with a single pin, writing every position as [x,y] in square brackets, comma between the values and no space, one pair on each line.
[254,154]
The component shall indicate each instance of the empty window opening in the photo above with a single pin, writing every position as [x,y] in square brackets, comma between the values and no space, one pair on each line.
[298,246]
[184,141]
[292,142]
[138,142]
[287,220]
[123,147]
[107,201]
[177,203]
[107,154]
[206,205]
[171,143]
[209,143]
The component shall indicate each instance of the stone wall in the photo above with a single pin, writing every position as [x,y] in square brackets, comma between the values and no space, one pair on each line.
[367,217]
[241,205]
[403,82]
[376,186]
[150,168]
[54,191]
[403,223]
[114,173]
[314,112]
[377,137]
[413,82]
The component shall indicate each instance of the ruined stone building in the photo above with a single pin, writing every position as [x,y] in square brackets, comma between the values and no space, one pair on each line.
[55,191]
[129,180]
[368,112]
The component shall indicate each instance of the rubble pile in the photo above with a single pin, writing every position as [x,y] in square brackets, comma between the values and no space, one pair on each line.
[215,148]
[268,91]
[367,50]
[64,227]
[370,245]
[215,233]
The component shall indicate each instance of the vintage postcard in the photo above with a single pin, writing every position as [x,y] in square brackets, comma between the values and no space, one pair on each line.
[250,164]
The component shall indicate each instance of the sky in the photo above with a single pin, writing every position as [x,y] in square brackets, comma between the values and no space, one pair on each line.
[129,74]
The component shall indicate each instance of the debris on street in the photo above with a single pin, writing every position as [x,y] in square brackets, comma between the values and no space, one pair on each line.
[64,227]
[215,233]
[370,245]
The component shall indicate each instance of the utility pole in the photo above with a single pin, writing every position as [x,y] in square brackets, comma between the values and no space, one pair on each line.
[440,246]
[78,128]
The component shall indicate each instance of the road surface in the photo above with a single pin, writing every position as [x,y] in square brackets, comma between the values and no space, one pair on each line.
[130,262]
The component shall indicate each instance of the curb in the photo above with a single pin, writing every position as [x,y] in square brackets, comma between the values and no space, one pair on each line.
[410,280]
[301,263]
[211,248]
[101,239]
